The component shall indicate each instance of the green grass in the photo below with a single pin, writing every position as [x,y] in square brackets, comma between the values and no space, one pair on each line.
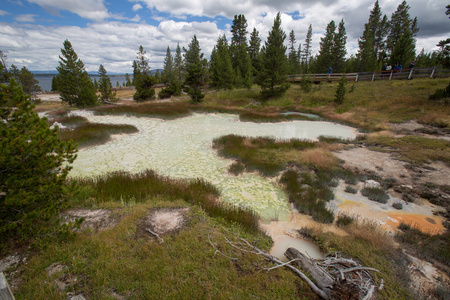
[89,134]
[373,248]
[265,155]
[71,121]
[424,245]
[137,188]
[261,117]
[350,189]
[309,193]
[186,266]
[414,149]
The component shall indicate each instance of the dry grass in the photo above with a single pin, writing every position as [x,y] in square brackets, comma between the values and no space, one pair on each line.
[319,158]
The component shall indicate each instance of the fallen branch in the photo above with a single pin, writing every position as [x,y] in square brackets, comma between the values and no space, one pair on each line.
[156,235]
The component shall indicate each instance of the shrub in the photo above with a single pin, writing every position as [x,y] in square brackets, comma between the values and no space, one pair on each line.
[350,189]
[236,168]
[344,220]
[340,91]
[306,83]
[397,205]
[441,93]
[375,194]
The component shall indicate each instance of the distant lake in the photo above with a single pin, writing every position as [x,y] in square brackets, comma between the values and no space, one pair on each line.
[45,80]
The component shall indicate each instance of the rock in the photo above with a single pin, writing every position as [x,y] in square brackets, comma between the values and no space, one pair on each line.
[372,184]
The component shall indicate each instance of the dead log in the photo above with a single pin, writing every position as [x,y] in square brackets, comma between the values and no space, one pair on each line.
[321,278]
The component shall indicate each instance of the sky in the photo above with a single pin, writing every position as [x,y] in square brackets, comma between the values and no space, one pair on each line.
[109,32]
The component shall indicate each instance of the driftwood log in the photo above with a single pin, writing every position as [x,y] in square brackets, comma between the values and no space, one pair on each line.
[334,277]
[338,277]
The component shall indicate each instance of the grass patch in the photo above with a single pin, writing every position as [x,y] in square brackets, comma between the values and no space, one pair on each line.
[375,194]
[261,117]
[89,134]
[69,121]
[125,187]
[350,189]
[267,155]
[373,247]
[309,193]
[116,263]
[236,168]
[425,246]
[414,149]
[344,220]
[149,109]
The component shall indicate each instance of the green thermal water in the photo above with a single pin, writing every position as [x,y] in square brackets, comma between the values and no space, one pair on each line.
[181,148]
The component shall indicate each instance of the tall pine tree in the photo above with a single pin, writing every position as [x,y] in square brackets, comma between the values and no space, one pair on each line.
[222,75]
[168,74]
[339,50]
[401,44]
[307,49]
[274,65]
[195,66]
[74,84]
[143,80]
[253,50]
[104,85]
[293,57]
[240,58]
[325,57]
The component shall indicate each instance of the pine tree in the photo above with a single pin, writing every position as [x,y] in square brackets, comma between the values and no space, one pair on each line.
[274,65]
[401,45]
[253,50]
[168,74]
[195,66]
[104,85]
[222,75]
[340,91]
[325,57]
[178,61]
[143,80]
[307,49]
[74,84]
[293,58]
[26,80]
[127,80]
[169,77]
[240,58]
[34,164]
[443,55]
[339,50]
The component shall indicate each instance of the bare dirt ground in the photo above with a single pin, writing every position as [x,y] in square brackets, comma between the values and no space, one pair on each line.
[162,221]
[385,165]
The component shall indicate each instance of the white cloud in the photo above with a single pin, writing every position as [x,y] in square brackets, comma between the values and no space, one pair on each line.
[136,18]
[28,18]
[114,44]
[88,9]
[3,13]
[136,7]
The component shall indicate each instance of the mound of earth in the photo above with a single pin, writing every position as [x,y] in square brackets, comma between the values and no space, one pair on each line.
[162,221]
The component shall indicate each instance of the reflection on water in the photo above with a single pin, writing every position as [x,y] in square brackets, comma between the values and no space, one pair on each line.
[181,148]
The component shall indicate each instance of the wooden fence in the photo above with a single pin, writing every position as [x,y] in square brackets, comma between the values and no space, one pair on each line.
[377,75]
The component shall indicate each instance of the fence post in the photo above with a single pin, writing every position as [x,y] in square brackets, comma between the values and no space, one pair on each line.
[390,76]
[373,76]
[5,292]
[432,73]
[356,78]
[410,73]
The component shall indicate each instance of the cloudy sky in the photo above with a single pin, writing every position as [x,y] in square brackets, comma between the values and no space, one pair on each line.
[109,32]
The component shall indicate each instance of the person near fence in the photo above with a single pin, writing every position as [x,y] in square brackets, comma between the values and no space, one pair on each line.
[411,65]
[330,70]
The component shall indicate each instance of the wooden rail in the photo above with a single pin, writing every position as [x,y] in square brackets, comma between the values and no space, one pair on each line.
[377,75]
